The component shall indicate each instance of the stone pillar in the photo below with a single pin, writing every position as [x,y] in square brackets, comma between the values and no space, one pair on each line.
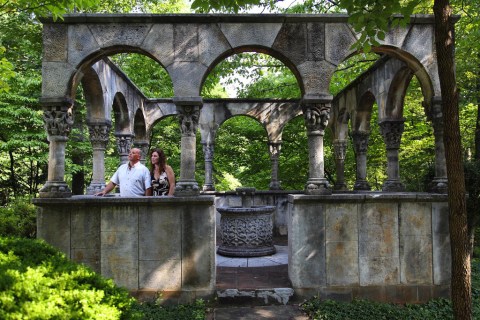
[340,149]
[439,183]
[58,121]
[392,130]
[360,145]
[143,145]
[274,150]
[99,132]
[316,113]
[188,111]
[208,151]
[124,144]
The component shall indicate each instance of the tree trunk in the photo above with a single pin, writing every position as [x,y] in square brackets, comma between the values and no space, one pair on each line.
[477,125]
[459,239]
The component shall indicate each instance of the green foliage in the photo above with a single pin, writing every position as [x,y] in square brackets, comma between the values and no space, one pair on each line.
[193,311]
[18,219]
[38,282]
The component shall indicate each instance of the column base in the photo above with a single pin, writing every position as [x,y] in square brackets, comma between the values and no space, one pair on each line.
[438,185]
[55,189]
[393,186]
[340,187]
[361,185]
[208,187]
[317,187]
[186,189]
[94,188]
[275,186]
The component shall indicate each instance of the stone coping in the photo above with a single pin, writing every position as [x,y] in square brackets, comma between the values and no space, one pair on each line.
[371,196]
[215,18]
[114,199]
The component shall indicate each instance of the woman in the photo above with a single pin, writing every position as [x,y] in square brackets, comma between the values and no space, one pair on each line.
[163,177]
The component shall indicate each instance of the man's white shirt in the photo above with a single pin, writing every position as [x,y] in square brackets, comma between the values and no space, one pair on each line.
[133,181]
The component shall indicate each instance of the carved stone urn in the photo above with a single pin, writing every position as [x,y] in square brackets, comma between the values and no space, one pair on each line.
[247,231]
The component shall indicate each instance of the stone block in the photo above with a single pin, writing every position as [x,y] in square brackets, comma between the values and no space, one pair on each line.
[415,219]
[378,244]
[55,78]
[342,222]
[315,41]
[81,44]
[186,78]
[117,34]
[160,34]
[306,242]
[55,42]
[416,265]
[89,257]
[338,40]
[316,76]
[212,43]
[160,235]
[442,259]
[250,34]
[419,41]
[291,42]
[185,42]
[198,247]
[160,275]
[53,226]
[342,263]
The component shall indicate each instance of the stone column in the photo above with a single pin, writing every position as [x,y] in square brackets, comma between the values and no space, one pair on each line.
[208,151]
[99,132]
[143,145]
[392,130]
[439,183]
[58,121]
[360,145]
[316,113]
[124,144]
[188,111]
[340,149]
[274,150]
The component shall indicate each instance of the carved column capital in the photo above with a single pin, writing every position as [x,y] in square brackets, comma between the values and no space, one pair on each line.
[99,132]
[188,117]
[360,141]
[124,142]
[274,149]
[340,149]
[316,115]
[58,118]
[392,131]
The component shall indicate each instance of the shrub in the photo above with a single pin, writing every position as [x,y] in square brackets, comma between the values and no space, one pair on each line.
[38,282]
[18,219]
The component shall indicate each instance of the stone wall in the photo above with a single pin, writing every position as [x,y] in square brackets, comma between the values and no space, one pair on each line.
[384,247]
[147,245]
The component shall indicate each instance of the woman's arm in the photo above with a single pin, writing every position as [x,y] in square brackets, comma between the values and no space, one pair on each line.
[171,179]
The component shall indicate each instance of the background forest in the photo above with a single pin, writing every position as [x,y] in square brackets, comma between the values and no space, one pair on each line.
[241,152]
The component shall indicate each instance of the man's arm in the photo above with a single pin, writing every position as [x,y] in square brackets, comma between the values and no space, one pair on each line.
[109,187]
[148,192]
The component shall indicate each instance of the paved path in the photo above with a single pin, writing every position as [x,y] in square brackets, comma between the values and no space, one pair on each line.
[287,312]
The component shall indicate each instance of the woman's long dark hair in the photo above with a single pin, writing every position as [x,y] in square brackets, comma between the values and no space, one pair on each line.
[162,160]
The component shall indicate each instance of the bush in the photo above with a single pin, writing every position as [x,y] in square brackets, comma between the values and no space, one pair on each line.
[18,219]
[38,282]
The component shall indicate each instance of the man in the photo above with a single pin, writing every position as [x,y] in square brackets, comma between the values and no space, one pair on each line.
[133,178]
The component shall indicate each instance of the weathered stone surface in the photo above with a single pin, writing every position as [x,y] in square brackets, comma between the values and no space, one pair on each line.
[416,260]
[55,43]
[442,260]
[160,34]
[290,42]
[56,77]
[316,76]
[160,274]
[378,244]
[85,237]
[81,43]
[315,41]
[419,42]
[186,78]
[212,43]
[342,244]
[338,40]
[114,34]
[306,245]
[53,226]
[185,42]
[250,34]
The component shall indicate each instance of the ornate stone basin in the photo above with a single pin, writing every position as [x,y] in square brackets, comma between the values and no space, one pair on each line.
[247,231]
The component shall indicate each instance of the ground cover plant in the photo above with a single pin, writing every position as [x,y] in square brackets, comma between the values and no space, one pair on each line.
[318,309]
